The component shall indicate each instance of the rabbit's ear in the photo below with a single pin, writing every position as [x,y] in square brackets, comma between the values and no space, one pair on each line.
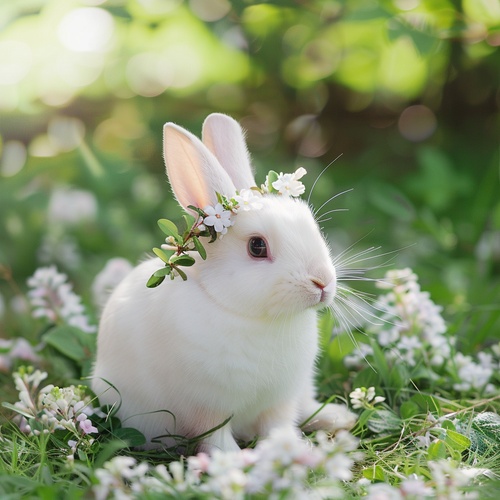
[193,171]
[225,138]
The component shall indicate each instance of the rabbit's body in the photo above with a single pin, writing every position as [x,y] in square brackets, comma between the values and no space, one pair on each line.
[237,339]
[204,373]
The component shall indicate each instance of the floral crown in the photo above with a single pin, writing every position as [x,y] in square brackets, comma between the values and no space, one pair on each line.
[214,221]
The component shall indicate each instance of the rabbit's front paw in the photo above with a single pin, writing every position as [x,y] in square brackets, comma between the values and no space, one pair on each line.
[331,418]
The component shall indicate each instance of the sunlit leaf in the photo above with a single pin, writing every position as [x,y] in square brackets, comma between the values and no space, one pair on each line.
[162,254]
[375,473]
[457,441]
[169,228]
[436,450]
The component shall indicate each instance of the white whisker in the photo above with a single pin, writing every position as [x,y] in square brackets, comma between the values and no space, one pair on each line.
[320,220]
[315,213]
[317,178]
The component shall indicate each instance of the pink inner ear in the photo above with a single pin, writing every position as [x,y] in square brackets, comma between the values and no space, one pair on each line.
[194,173]
[183,164]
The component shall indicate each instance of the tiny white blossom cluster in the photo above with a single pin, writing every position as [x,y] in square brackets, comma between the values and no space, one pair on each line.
[287,184]
[411,326]
[50,408]
[448,480]
[413,319]
[69,206]
[413,331]
[475,376]
[278,467]
[219,215]
[52,297]
[364,398]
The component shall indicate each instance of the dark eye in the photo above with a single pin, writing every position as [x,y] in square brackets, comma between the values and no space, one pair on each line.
[257,247]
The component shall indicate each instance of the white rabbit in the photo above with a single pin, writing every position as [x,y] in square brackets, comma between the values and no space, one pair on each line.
[237,339]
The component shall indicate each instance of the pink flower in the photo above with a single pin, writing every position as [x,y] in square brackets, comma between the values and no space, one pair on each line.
[86,424]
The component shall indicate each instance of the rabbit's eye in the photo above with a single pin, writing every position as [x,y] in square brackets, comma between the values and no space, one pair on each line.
[257,247]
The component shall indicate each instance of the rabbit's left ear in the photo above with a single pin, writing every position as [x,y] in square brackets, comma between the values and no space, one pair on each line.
[224,137]
[193,171]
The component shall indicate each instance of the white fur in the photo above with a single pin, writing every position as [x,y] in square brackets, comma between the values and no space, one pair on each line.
[239,337]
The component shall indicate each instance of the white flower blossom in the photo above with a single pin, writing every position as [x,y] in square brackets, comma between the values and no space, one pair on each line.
[248,199]
[449,479]
[57,246]
[289,184]
[383,491]
[278,466]
[364,398]
[415,487]
[217,217]
[71,206]
[357,358]
[53,298]
[52,408]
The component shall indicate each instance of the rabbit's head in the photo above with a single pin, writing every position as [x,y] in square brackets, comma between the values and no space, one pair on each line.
[273,261]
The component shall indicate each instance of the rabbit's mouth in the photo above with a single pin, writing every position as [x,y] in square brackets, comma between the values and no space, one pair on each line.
[327,291]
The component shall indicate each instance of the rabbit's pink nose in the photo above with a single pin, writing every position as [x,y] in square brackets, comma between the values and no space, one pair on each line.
[327,290]
[318,283]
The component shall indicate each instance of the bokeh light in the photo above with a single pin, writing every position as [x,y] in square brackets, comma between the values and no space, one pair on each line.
[88,29]
[417,123]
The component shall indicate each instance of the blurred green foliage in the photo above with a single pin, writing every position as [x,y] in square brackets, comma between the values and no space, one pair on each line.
[407,91]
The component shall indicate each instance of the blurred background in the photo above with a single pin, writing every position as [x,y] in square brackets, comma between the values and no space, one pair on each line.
[401,97]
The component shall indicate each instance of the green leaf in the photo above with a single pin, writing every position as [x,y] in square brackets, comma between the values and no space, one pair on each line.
[182,260]
[367,377]
[15,409]
[154,281]
[436,450]
[272,176]
[199,247]
[448,424]
[163,255]
[427,404]
[188,220]
[409,409]
[488,423]
[364,417]
[457,441]
[375,473]
[199,211]
[131,436]
[380,364]
[484,433]
[384,421]
[170,229]
[71,342]
[164,271]
[182,274]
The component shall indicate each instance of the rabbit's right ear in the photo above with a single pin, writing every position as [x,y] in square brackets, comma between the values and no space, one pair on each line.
[225,138]
[193,171]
